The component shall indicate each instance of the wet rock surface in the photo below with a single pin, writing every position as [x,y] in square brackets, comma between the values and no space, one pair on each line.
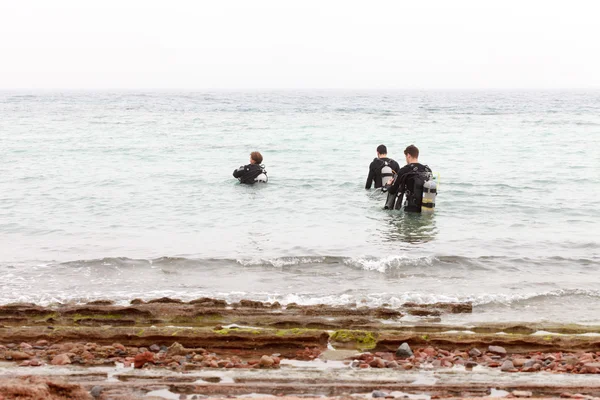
[208,335]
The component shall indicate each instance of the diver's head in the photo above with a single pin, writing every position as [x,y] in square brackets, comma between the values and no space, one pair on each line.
[381,151]
[412,154]
[256,158]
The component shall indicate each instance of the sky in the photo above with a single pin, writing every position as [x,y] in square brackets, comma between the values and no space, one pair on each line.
[306,44]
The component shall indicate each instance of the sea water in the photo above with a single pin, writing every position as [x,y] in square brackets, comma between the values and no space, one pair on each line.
[117,195]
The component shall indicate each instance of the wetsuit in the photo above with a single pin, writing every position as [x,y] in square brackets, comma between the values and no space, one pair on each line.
[248,173]
[410,181]
[375,171]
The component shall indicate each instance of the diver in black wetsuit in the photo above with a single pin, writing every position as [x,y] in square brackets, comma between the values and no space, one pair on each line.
[409,182]
[253,172]
[381,169]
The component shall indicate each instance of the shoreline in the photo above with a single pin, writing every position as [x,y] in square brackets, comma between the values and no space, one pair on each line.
[209,347]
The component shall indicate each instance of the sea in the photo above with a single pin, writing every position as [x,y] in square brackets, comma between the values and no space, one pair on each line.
[129,194]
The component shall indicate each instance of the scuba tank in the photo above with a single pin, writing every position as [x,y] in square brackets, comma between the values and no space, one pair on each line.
[386,173]
[262,177]
[429,195]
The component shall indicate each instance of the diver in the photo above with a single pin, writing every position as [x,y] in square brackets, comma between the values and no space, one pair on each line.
[414,181]
[253,172]
[381,169]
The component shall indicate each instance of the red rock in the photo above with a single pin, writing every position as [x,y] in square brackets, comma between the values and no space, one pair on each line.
[17,355]
[24,364]
[377,363]
[41,343]
[407,366]
[252,362]
[447,364]
[119,346]
[445,352]
[430,351]
[229,365]
[592,368]
[277,360]
[35,363]
[61,359]
[213,364]
[143,358]
[363,366]
[25,346]
[66,347]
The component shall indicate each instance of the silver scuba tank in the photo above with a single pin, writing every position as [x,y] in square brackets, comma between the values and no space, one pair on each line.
[429,195]
[386,173]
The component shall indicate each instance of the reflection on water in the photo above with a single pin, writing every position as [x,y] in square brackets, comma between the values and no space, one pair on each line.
[410,227]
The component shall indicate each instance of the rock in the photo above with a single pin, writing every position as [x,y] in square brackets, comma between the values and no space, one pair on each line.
[176,349]
[35,363]
[529,363]
[519,362]
[404,351]
[391,364]
[507,366]
[377,363]
[266,361]
[25,346]
[41,343]
[522,393]
[143,358]
[17,355]
[497,350]
[96,391]
[155,348]
[474,352]
[378,394]
[470,364]
[430,351]
[119,346]
[592,368]
[571,360]
[61,359]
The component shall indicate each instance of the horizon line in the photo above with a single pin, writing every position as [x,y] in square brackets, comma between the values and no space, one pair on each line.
[295,89]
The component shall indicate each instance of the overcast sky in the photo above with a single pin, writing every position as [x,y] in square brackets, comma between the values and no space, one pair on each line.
[242,44]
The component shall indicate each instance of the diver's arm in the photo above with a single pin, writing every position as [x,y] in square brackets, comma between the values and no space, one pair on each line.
[237,173]
[369,180]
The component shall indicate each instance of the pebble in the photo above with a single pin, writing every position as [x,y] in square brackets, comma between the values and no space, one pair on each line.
[507,366]
[266,361]
[143,358]
[61,359]
[404,351]
[378,394]
[155,348]
[497,350]
[474,352]
[96,390]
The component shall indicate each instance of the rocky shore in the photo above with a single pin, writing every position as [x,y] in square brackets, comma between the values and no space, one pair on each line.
[165,348]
